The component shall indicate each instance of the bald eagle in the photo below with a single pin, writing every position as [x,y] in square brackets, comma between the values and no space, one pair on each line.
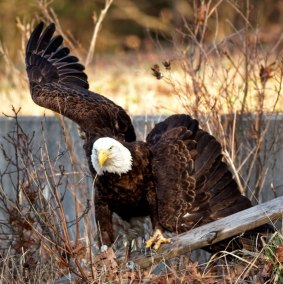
[177,176]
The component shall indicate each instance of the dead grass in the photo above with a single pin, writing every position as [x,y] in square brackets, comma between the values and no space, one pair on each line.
[128,81]
[206,81]
[40,243]
[130,85]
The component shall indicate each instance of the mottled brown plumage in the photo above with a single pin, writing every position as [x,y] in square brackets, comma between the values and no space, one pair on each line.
[194,185]
[177,177]
[57,82]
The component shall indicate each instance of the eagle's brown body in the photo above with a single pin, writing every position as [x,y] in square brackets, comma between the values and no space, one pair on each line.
[129,195]
[178,177]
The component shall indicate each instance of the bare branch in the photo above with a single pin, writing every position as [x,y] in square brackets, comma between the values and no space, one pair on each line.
[97,27]
[215,231]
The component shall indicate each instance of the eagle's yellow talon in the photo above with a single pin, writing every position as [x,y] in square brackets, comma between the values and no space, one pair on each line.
[149,243]
[160,241]
[157,239]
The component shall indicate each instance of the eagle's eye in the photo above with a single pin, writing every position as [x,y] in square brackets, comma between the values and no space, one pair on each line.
[111,148]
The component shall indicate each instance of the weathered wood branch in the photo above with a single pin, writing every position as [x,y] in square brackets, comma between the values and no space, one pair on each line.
[216,231]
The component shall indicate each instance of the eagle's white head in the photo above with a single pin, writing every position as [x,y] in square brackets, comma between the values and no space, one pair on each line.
[109,155]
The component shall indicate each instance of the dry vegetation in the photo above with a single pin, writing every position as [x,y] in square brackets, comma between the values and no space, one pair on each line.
[40,243]
[236,76]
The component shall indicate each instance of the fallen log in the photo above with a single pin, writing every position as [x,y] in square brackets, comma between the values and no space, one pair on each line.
[215,231]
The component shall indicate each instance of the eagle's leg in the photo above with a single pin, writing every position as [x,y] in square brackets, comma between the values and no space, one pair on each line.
[157,239]
[104,222]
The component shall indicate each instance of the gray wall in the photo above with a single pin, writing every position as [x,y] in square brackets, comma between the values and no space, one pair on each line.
[270,160]
[54,138]
[272,154]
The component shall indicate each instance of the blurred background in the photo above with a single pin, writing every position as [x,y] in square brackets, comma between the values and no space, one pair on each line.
[134,25]
[133,36]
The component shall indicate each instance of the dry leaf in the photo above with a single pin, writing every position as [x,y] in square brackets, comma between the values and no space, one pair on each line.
[201,15]
[266,270]
[279,253]
[156,72]
[266,72]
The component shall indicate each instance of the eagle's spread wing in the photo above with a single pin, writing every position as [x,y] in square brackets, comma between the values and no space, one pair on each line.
[194,185]
[49,62]
[58,82]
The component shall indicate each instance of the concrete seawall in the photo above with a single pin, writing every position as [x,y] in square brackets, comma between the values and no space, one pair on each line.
[54,138]
[48,130]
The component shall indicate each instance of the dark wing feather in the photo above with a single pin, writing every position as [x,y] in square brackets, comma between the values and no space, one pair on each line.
[171,122]
[47,61]
[45,38]
[58,82]
[194,185]
[53,45]
[61,54]
[33,41]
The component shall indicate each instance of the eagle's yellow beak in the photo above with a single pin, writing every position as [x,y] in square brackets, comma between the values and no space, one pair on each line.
[102,157]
